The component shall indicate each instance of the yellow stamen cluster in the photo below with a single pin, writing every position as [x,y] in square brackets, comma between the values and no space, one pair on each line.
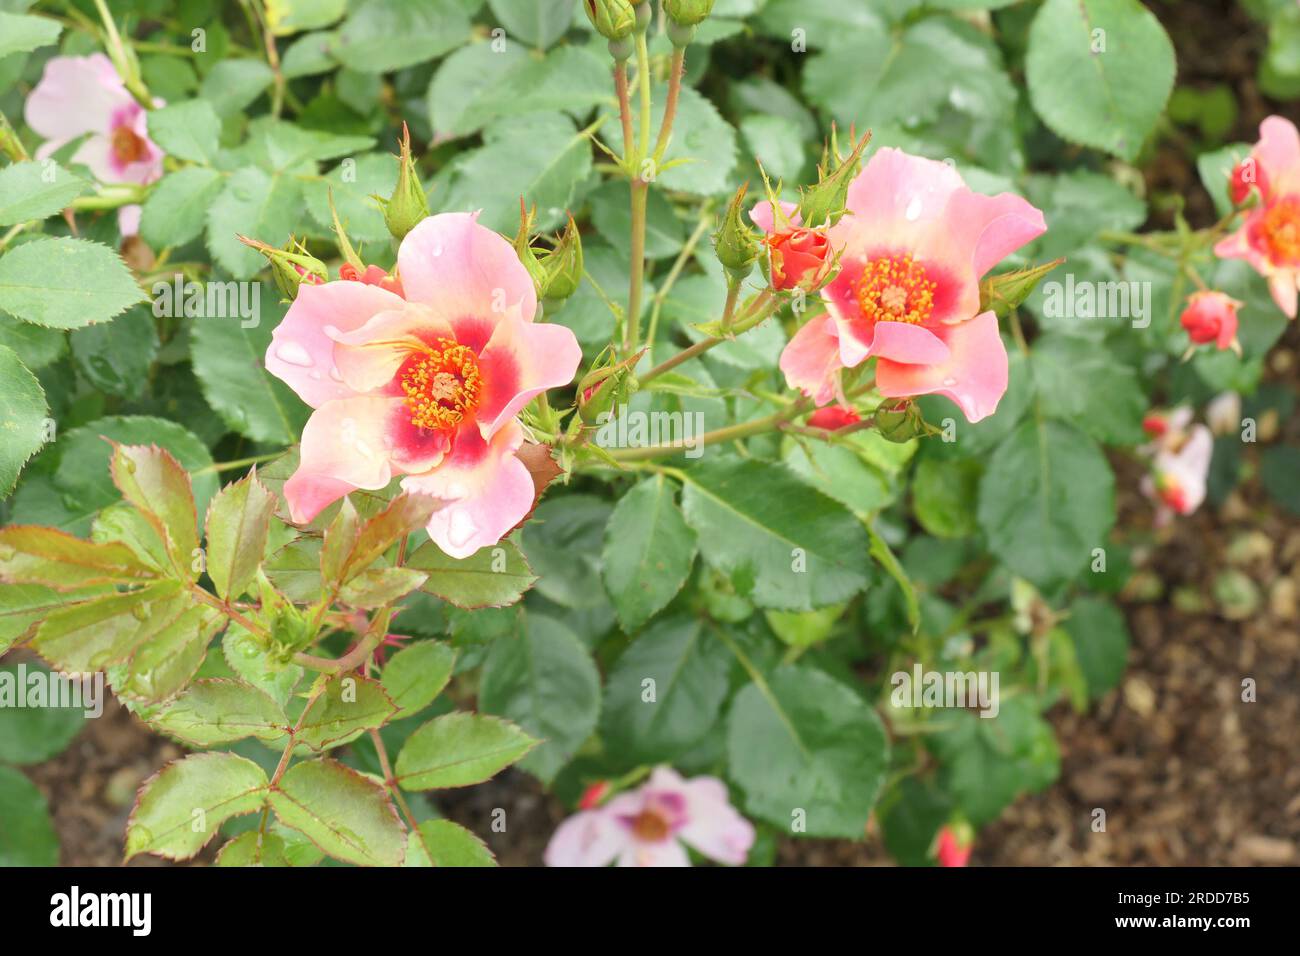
[1281,231]
[895,289]
[443,386]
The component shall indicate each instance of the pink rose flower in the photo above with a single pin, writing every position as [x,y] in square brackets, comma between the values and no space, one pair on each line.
[1180,468]
[1269,236]
[954,849]
[80,95]
[1212,317]
[426,384]
[914,243]
[647,826]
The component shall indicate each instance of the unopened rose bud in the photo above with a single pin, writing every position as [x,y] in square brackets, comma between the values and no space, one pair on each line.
[524,247]
[408,205]
[290,266]
[563,265]
[1211,317]
[612,19]
[823,204]
[371,275]
[688,13]
[594,795]
[801,258]
[955,844]
[605,388]
[899,422]
[735,242]
[833,417]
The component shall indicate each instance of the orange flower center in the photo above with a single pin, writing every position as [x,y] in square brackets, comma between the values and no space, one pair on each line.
[1281,230]
[128,146]
[443,386]
[650,826]
[896,289]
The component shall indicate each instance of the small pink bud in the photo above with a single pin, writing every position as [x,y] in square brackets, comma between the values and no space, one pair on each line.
[1245,176]
[593,795]
[1211,317]
[955,845]
[833,417]
[801,259]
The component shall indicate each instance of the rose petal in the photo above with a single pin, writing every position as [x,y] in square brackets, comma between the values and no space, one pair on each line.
[811,359]
[762,216]
[76,95]
[343,448]
[589,838]
[520,361]
[974,376]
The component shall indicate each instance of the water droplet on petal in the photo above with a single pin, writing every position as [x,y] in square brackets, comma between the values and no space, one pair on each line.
[913,209]
[461,529]
[294,354]
[455,491]
[315,375]
[435,249]
[331,331]
[949,382]
[334,374]
[363,448]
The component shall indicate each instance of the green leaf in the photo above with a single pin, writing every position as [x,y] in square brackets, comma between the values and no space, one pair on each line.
[34,190]
[808,553]
[415,675]
[65,283]
[541,157]
[459,749]
[544,680]
[988,762]
[1047,499]
[238,523]
[885,557]
[161,667]
[28,837]
[23,416]
[348,706]
[229,359]
[404,515]
[151,479]
[563,544]
[176,210]
[491,577]
[180,808]
[944,492]
[1101,643]
[266,206]
[1088,388]
[82,474]
[910,817]
[354,185]
[246,656]
[649,552]
[187,130]
[217,711]
[122,523]
[776,142]
[37,347]
[449,844]
[702,139]
[278,846]
[22,34]
[231,85]
[92,634]
[290,16]
[379,586]
[34,729]
[538,23]
[23,605]
[646,723]
[34,555]
[116,357]
[1099,72]
[807,743]
[380,36]
[346,814]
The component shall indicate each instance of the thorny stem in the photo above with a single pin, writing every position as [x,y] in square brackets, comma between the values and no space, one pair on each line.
[624,110]
[718,435]
[390,780]
[237,463]
[632,328]
[762,306]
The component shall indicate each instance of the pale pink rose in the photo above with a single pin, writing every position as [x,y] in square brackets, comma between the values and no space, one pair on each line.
[1179,472]
[1269,236]
[913,245]
[648,826]
[83,96]
[428,385]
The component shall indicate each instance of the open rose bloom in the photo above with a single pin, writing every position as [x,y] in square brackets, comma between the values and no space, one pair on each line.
[426,383]
[1269,237]
[648,826]
[913,246]
[83,96]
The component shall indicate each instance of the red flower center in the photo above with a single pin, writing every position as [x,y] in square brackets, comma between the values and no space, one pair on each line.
[1280,230]
[896,289]
[442,386]
[650,826]
[128,146]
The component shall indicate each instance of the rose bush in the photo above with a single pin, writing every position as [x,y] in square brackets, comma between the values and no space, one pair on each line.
[737,458]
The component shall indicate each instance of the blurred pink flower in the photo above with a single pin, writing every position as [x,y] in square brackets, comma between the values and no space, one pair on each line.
[1180,467]
[648,826]
[427,385]
[954,848]
[1269,236]
[1212,317]
[83,96]
[913,245]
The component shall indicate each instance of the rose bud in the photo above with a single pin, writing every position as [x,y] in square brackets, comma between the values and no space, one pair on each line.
[824,203]
[955,845]
[371,275]
[801,259]
[735,243]
[1245,176]
[290,266]
[1212,317]
[833,417]
[593,796]
[408,205]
